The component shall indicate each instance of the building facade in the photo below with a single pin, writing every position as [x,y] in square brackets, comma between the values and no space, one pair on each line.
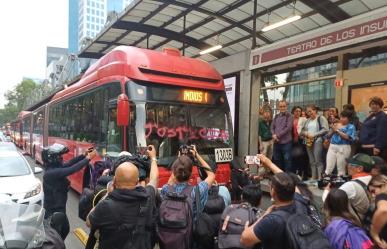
[54,54]
[87,18]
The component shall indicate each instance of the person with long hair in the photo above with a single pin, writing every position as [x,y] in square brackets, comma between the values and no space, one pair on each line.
[343,230]
[333,115]
[341,136]
[314,129]
[299,156]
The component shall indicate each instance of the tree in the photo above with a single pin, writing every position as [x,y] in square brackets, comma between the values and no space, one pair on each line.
[17,100]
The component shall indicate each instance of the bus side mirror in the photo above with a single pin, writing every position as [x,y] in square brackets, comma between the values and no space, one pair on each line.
[122,110]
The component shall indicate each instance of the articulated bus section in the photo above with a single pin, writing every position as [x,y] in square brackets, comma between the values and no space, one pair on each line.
[131,98]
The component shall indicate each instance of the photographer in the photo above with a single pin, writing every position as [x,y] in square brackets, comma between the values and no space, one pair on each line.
[178,200]
[359,168]
[55,183]
[128,209]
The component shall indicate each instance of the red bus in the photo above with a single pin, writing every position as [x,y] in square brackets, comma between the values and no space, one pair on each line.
[21,129]
[39,132]
[134,97]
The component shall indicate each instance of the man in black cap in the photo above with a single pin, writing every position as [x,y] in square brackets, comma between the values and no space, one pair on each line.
[359,168]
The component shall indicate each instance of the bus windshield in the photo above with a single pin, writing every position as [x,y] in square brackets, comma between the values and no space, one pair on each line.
[168,126]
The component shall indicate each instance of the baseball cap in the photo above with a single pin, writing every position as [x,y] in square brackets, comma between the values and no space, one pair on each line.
[361,159]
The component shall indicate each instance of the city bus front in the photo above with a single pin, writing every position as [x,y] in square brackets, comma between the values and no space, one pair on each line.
[171,116]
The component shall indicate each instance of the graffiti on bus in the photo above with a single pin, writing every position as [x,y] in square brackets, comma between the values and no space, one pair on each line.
[182,132]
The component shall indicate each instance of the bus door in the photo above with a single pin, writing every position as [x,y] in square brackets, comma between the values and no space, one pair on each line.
[114,140]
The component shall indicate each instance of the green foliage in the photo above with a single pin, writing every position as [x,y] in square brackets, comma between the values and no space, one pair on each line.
[17,100]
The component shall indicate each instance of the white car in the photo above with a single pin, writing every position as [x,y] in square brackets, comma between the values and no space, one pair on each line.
[17,179]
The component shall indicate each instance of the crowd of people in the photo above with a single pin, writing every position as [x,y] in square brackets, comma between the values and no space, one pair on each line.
[133,213]
[315,143]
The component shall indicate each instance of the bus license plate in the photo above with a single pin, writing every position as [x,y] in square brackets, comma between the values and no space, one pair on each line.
[223,155]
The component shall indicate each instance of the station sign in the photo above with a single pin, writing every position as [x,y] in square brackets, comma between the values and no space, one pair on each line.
[369,26]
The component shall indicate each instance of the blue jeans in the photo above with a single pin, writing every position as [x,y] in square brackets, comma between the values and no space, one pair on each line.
[282,156]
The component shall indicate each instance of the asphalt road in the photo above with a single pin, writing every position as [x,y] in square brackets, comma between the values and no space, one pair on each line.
[72,242]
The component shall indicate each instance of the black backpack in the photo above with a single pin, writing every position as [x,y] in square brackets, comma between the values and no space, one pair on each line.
[234,220]
[174,227]
[138,235]
[204,229]
[305,204]
[214,206]
[302,232]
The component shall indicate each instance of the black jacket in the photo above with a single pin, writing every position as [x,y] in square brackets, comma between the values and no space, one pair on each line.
[125,219]
[373,130]
[56,184]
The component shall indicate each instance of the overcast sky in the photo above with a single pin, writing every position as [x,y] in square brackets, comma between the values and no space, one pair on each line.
[27,28]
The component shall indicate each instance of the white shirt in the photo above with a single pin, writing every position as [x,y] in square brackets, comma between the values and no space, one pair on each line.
[312,126]
[357,196]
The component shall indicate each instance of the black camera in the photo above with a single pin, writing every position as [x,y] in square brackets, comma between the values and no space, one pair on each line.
[53,153]
[186,150]
[141,162]
[334,180]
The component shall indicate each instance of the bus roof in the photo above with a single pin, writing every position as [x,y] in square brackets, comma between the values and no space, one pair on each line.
[166,67]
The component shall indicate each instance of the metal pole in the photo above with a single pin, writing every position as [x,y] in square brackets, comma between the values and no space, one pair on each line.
[184,20]
[254,35]
[147,41]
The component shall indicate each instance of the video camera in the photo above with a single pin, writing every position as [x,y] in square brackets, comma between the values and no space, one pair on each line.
[53,153]
[140,161]
[334,180]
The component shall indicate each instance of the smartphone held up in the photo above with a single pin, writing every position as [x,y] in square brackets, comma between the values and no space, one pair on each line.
[252,160]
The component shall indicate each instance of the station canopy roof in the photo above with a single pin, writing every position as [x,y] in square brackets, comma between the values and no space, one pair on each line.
[194,25]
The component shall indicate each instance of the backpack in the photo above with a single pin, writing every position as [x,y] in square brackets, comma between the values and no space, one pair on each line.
[234,220]
[139,234]
[203,229]
[303,203]
[175,220]
[343,234]
[214,206]
[357,238]
[301,231]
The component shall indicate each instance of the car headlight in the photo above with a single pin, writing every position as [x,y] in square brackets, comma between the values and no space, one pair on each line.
[34,192]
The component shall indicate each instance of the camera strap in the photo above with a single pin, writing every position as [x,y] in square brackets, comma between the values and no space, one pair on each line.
[205,168]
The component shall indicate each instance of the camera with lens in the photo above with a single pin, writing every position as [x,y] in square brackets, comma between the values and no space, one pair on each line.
[334,180]
[141,162]
[186,150]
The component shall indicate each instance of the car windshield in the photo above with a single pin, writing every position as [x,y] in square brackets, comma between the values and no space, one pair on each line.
[21,225]
[13,166]
[168,127]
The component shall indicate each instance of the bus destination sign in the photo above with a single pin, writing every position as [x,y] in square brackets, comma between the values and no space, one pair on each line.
[195,96]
